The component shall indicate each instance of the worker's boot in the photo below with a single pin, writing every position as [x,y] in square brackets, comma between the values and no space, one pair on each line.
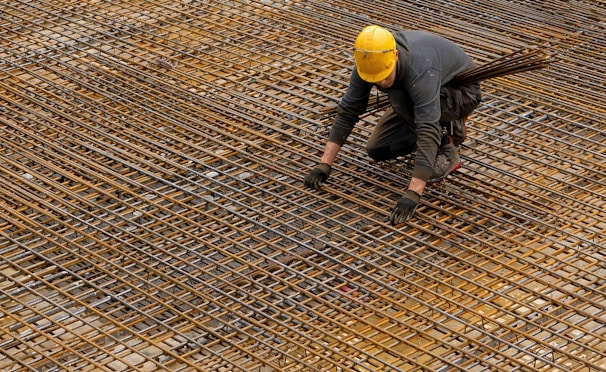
[447,161]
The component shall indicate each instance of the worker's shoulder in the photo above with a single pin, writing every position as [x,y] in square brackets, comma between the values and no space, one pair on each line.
[420,35]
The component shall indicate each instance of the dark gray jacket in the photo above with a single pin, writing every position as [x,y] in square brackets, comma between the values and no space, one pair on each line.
[426,62]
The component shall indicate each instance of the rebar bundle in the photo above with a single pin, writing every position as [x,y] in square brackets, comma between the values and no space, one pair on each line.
[516,62]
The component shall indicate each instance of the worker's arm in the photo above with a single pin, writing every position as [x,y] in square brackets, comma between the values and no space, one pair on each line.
[408,203]
[417,185]
[330,152]
[426,98]
[320,173]
[352,105]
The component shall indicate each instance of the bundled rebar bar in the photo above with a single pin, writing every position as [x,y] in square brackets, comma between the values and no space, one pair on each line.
[519,61]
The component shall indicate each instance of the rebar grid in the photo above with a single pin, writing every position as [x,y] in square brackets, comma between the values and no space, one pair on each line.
[152,214]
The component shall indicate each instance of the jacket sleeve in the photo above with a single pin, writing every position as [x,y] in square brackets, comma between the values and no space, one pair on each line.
[428,142]
[352,105]
[425,93]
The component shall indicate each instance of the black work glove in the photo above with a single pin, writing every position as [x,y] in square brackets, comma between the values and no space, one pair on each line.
[317,175]
[405,208]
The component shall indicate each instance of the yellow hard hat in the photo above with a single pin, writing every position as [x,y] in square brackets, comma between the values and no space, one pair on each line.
[375,53]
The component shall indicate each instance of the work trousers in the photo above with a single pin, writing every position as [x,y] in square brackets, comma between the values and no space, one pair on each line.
[395,134]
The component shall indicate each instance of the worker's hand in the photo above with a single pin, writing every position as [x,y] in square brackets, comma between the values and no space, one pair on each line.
[317,175]
[405,208]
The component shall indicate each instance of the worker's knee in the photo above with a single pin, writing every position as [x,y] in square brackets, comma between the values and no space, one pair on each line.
[379,153]
[389,152]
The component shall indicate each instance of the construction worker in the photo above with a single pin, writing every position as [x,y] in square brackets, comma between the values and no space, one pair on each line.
[426,114]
